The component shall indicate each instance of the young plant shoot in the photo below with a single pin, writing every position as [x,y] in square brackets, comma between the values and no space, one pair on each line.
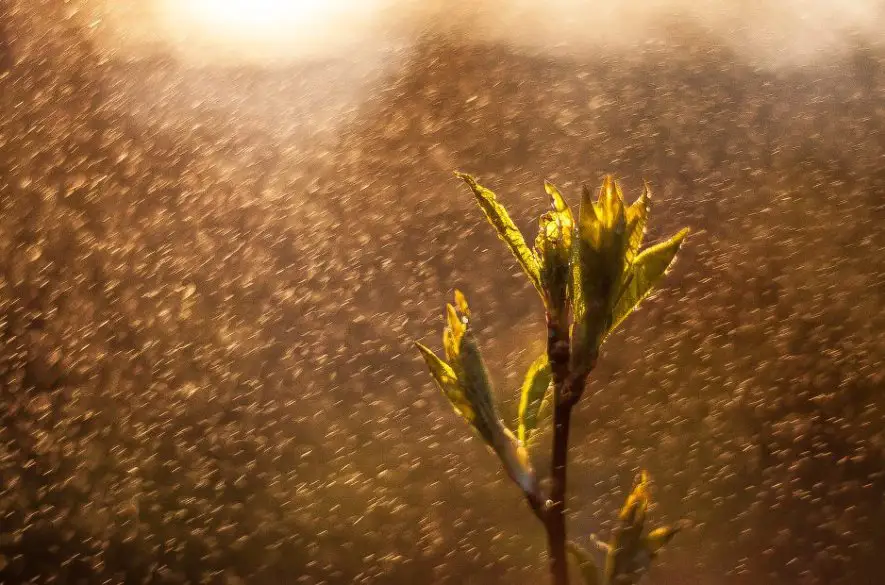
[590,272]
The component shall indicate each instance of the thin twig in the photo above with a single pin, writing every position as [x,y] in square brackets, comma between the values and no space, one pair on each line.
[558,355]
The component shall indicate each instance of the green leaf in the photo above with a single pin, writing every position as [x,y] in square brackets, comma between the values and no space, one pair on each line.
[585,562]
[466,362]
[553,251]
[648,268]
[534,388]
[659,537]
[610,206]
[452,335]
[478,388]
[627,551]
[630,553]
[461,304]
[589,283]
[466,383]
[556,198]
[636,506]
[615,237]
[507,230]
[637,217]
[445,378]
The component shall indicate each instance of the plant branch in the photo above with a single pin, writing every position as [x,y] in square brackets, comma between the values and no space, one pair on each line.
[567,389]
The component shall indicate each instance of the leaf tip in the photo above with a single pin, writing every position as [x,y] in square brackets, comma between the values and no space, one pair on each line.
[461,303]
[645,196]
[556,199]
[681,235]
[454,320]
[586,194]
[467,178]
[423,349]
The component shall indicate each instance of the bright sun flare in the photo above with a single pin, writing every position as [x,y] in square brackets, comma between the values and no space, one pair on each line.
[255,17]
[280,25]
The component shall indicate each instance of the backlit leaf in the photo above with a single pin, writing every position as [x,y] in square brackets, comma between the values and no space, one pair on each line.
[452,335]
[637,217]
[553,251]
[507,230]
[627,553]
[615,238]
[636,506]
[445,379]
[610,205]
[589,283]
[461,303]
[534,388]
[657,538]
[478,388]
[556,198]
[648,268]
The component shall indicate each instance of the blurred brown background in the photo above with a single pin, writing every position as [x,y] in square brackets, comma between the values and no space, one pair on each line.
[217,248]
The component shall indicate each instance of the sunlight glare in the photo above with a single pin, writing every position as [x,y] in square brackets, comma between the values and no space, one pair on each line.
[256,17]
[278,26]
